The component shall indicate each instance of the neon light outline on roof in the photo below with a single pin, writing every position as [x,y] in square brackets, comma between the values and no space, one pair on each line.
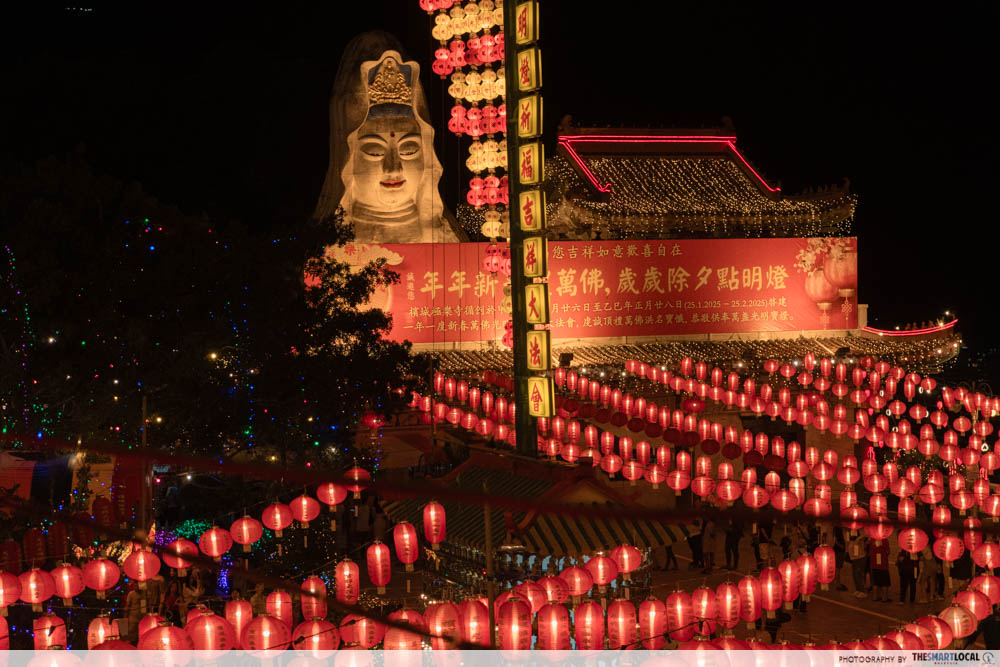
[912,332]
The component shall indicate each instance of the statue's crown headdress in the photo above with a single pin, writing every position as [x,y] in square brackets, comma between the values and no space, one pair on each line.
[389,85]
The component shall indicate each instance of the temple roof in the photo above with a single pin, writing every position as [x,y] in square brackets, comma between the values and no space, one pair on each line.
[920,353]
[659,184]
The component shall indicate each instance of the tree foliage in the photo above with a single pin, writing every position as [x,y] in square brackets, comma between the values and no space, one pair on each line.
[211,323]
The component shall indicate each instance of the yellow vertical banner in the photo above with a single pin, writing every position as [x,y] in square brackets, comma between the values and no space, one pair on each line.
[536,303]
[532,204]
[536,255]
[541,396]
[539,350]
[526,22]
[530,163]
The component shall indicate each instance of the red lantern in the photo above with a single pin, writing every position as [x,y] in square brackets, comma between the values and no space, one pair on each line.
[209,632]
[533,593]
[404,537]
[960,620]
[10,590]
[346,575]
[589,621]
[357,480]
[400,639]
[987,555]
[621,624]
[313,598]
[434,523]
[149,622]
[304,509]
[379,566]
[627,558]
[905,640]
[770,589]
[316,637]
[246,531]
[556,588]
[939,628]
[751,599]
[475,623]
[602,569]
[177,555]
[166,637]
[68,581]
[277,517]
[578,580]
[239,613]
[705,610]
[791,584]
[808,574]
[37,586]
[727,600]
[978,603]
[279,605]
[912,540]
[445,626]
[652,624]
[100,630]
[514,624]
[49,632]
[100,575]
[264,633]
[948,547]
[680,616]
[214,542]
[988,585]
[928,639]
[553,628]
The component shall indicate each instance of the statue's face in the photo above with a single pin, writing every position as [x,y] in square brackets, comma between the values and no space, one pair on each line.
[389,163]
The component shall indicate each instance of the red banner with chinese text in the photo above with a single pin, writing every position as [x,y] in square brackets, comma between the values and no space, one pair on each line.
[603,289]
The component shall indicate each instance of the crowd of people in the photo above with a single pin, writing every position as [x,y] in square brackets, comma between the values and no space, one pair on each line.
[921,577]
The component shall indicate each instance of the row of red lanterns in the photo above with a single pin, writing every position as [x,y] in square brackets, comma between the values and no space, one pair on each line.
[729,491]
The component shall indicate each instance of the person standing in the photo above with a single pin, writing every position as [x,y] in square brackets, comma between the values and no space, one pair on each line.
[927,573]
[857,553]
[878,564]
[708,545]
[133,612]
[906,564]
[694,543]
[258,601]
[734,533]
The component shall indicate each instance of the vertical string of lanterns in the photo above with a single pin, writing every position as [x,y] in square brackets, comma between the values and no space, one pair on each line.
[470,54]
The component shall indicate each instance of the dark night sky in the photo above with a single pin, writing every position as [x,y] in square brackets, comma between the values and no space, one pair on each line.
[222,107]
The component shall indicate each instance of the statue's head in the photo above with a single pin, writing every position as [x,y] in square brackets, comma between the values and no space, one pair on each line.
[383,169]
[388,160]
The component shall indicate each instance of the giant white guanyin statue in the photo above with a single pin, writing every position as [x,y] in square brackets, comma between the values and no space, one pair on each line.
[383,170]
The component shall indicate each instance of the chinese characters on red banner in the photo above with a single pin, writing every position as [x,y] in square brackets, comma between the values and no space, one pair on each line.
[603,289]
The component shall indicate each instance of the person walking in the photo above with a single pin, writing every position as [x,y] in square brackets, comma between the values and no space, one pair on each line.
[906,565]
